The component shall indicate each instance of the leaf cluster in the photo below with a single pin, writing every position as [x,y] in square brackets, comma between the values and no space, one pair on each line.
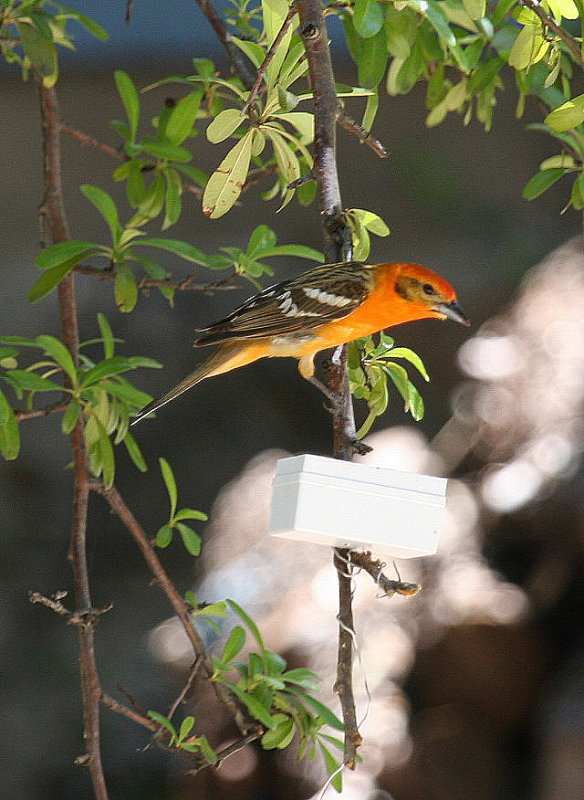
[165,534]
[279,698]
[96,392]
[371,363]
[33,29]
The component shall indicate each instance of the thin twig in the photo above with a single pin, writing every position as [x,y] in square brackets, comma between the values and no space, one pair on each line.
[120,508]
[348,123]
[135,716]
[241,66]
[41,412]
[227,751]
[561,33]
[375,568]
[186,284]
[186,688]
[257,84]
[53,212]
[89,141]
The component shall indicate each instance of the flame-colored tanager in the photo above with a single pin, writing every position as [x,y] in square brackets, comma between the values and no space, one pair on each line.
[319,309]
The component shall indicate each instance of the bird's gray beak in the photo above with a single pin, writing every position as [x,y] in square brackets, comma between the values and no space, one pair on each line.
[453,311]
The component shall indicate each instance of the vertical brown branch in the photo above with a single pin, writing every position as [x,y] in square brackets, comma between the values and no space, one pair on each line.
[240,64]
[337,247]
[53,212]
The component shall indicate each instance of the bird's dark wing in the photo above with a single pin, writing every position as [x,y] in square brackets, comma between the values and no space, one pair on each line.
[303,303]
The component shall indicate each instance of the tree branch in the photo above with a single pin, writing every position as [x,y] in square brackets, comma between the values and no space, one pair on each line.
[257,84]
[344,683]
[348,123]
[375,568]
[186,284]
[337,247]
[238,60]
[52,211]
[41,412]
[120,508]
[549,22]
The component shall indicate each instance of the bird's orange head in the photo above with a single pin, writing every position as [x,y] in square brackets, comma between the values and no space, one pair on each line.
[424,293]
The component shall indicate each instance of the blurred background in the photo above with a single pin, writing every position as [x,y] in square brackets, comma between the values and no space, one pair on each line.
[477,684]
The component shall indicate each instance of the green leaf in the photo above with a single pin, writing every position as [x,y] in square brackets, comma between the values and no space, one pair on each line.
[128,393]
[476,9]
[62,252]
[303,121]
[368,18]
[252,50]
[170,483]
[182,118]
[164,536]
[194,174]
[207,750]
[234,644]
[130,99]
[274,12]
[57,350]
[106,207]
[9,432]
[179,248]
[107,335]
[249,622]
[173,203]
[89,24]
[542,181]
[115,365]
[412,357]
[30,381]
[485,74]
[186,727]
[280,736]
[226,183]
[41,52]
[135,453]
[302,677]
[107,455]
[191,539]
[332,765]
[255,708]
[166,151]
[262,239]
[567,116]
[324,712]
[190,513]
[224,124]
[52,277]
[528,48]
[125,288]
[373,222]
[577,194]
[436,17]
[70,417]
[166,723]
[296,250]
[373,60]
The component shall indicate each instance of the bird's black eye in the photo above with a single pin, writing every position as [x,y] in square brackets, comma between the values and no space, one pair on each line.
[428,289]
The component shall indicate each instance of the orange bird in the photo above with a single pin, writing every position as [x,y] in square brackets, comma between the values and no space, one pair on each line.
[319,309]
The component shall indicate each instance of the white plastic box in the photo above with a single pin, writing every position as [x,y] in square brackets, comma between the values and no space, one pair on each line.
[343,504]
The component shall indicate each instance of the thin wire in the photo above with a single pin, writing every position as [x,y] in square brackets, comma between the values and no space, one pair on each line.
[330,779]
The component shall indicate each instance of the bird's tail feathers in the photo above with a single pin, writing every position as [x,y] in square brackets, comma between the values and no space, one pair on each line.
[212,366]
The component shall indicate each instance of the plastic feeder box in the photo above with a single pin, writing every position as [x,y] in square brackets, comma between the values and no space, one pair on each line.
[342,504]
